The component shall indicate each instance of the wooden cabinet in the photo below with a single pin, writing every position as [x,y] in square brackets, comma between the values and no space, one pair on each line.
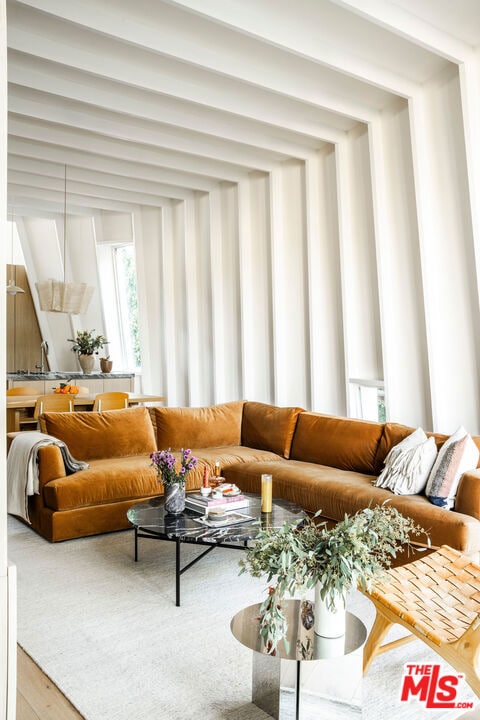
[23,332]
[118,384]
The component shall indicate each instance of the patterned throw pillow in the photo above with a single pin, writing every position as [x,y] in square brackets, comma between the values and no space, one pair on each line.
[408,464]
[457,455]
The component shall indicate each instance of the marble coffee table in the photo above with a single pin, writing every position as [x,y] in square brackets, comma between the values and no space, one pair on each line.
[150,520]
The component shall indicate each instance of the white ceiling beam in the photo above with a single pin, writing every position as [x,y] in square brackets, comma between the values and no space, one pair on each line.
[70,139]
[294,32]
[43,160]
[182,80]
[91,197]
[163,57]
[33,197]
[26,73]
[399,21]
[128,129]
[79,182]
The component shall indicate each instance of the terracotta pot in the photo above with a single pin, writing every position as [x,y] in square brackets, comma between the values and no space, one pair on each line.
[106,365]
[86,363]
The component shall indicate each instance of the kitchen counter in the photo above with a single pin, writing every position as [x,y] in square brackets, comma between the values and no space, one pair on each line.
[57,375]
[96,382]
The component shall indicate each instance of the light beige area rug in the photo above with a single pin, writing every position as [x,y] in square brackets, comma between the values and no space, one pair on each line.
[106,630]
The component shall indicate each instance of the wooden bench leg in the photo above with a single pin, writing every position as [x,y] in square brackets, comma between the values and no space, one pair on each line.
[380,628]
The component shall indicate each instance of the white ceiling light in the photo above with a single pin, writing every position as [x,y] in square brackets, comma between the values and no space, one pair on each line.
[61,296]
[13,289]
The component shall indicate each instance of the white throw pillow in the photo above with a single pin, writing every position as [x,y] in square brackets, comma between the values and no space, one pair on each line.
[457,455]
[408,464]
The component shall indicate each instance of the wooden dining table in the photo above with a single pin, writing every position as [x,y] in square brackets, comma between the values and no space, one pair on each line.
[18,406]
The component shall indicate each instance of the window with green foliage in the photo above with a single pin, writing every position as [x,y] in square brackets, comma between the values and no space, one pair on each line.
[126,281]
[118,284]
[367,400]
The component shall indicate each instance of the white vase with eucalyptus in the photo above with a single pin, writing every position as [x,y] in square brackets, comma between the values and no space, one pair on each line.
[299,557]
[330,618]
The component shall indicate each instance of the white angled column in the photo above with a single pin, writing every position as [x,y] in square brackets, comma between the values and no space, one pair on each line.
[291,340]
[256,287]
[327,354]
[363,350]
[469,75]
[447,253]
[227,351]
[399,271]
[148,231]
[198,281]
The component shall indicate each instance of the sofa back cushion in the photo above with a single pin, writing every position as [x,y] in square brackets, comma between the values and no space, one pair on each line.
[197,427]
[267,427]
[338,442]
[393,434]
[109,434]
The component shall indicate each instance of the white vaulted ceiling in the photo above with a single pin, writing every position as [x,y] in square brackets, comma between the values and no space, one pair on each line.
[149,100]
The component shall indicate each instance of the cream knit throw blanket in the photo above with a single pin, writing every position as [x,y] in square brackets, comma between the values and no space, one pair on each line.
[22,469]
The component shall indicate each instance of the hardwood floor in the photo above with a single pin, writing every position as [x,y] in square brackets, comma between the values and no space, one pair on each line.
[37,697]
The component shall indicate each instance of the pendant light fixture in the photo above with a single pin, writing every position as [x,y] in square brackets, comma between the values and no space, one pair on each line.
[61,296]
[13,289]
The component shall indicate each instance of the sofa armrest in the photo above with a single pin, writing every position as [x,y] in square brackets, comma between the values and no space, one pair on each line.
[467,500]
[50,464]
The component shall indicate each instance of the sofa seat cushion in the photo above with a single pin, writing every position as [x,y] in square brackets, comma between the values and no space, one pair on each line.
[115,480]
[105,481]
[338,492]
[230,455]
[268,427]
[109,434]
[189,427]
[338,442]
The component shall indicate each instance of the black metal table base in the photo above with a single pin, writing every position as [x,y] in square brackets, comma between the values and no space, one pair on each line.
[178,542]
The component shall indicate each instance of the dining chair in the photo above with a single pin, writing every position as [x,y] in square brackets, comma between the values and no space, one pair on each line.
[437,599]
[47,403]
[110,401]
[23,390]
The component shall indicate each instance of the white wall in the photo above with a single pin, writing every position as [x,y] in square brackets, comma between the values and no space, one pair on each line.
[7,573]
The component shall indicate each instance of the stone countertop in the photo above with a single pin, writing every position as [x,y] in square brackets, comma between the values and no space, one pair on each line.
[57,375]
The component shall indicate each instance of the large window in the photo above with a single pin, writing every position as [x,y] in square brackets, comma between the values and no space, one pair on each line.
[119,293]
[367,400]
[126,279]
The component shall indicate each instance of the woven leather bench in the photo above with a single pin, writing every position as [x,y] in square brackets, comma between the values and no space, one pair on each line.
[436,598]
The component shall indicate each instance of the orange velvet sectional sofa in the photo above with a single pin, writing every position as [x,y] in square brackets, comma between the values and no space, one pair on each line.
[321,462]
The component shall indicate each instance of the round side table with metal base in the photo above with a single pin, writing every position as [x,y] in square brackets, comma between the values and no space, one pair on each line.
[310,672]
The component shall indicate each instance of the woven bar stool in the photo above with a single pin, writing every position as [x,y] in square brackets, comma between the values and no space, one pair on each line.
[437,598]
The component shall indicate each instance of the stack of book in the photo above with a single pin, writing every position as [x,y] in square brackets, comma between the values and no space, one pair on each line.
[201,504]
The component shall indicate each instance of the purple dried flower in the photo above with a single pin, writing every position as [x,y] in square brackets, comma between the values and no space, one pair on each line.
[164,462]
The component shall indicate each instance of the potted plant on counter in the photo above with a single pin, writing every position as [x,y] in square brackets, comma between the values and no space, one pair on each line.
[331,560]
[85,345]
